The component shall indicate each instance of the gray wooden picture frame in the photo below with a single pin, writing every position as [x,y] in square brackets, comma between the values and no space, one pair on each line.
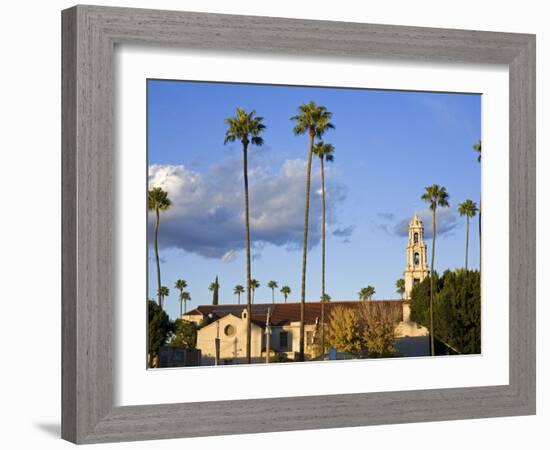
[90,34]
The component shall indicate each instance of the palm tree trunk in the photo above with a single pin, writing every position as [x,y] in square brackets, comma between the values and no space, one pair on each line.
[185,306]
[247,232]
[239,297]
[304,254]
[157,257]
[432,346]
[323,263]
[272,295]
[181,314]
[467,238]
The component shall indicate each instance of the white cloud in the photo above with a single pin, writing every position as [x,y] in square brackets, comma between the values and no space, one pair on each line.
[207,212]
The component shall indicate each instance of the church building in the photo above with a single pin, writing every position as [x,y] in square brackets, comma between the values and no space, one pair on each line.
[417,268]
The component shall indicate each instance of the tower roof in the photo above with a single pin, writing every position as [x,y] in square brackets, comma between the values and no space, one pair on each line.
[415,221]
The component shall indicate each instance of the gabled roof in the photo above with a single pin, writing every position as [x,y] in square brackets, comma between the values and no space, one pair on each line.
[283,313]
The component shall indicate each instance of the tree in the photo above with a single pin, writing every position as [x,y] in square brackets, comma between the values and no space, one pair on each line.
[436,196]
[325,152]
[254,284]
[343,331]
[180,285]
[162,293]
[246,128]
[185,334]
[215,288]
[324,299]
[477,148]
[158,329]
[457,309]
[238,290]
[366,293]
[272,285]
[400,285]
[184,297]
[469,209]
[285,290]
[157,200]
[377,323]
[313,120]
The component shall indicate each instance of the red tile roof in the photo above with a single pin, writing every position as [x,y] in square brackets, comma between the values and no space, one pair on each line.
[283,313]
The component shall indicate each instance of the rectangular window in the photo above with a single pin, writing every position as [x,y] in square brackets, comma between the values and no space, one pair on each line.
[283,340]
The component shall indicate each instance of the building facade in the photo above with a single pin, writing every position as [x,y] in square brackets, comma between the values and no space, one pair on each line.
[416,268]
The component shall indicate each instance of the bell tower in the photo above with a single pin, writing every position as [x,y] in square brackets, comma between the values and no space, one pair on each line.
[416,269]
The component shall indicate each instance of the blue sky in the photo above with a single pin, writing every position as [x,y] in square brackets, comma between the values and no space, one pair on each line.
[389,146]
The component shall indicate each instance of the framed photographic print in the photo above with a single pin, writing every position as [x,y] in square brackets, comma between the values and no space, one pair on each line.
[346,207]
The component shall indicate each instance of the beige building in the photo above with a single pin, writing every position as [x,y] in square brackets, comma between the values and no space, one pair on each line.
[416,268]
[280,322]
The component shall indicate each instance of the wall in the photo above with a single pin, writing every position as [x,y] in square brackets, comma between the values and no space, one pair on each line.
[30,229]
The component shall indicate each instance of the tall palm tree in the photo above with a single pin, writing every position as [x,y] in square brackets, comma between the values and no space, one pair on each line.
[477,148]
[285,290]
[180,285]
[163,292]
[400,285]
[184,297]
[324,298]
[366,293]
[469,209]
[238,290]
[272,285]
[157,200]
[436,196]
[215,288]
[254,284]
[325,152]
[246,128]
[313,120]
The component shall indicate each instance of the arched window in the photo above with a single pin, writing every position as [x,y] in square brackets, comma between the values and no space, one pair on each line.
[416,259]
[415,238]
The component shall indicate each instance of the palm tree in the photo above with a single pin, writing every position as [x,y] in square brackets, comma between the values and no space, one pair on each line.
[157,200]
[238,290]
[366,293]
[400,285]
[324,298]
[246,128]
[477,148]
[184,297]
[313,120]
[180,285]
[254,284]
[215,288]
[272,285]
[325,152]
[436,196]
[285,290]
[469,209]
[163,292]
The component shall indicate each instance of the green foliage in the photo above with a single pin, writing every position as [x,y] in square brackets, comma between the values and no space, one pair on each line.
[279,358]
[158,327]
[400,285]
[158,200]
[244,127]
[185,334]
[215,288]
[366,293]
[468,208]
[344,332]
[457,309]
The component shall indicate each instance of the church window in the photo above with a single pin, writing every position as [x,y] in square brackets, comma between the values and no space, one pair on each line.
[283,340]
[415,238]
[416,259]
[229,330]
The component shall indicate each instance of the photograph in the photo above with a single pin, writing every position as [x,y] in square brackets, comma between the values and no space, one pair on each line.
[299,223]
